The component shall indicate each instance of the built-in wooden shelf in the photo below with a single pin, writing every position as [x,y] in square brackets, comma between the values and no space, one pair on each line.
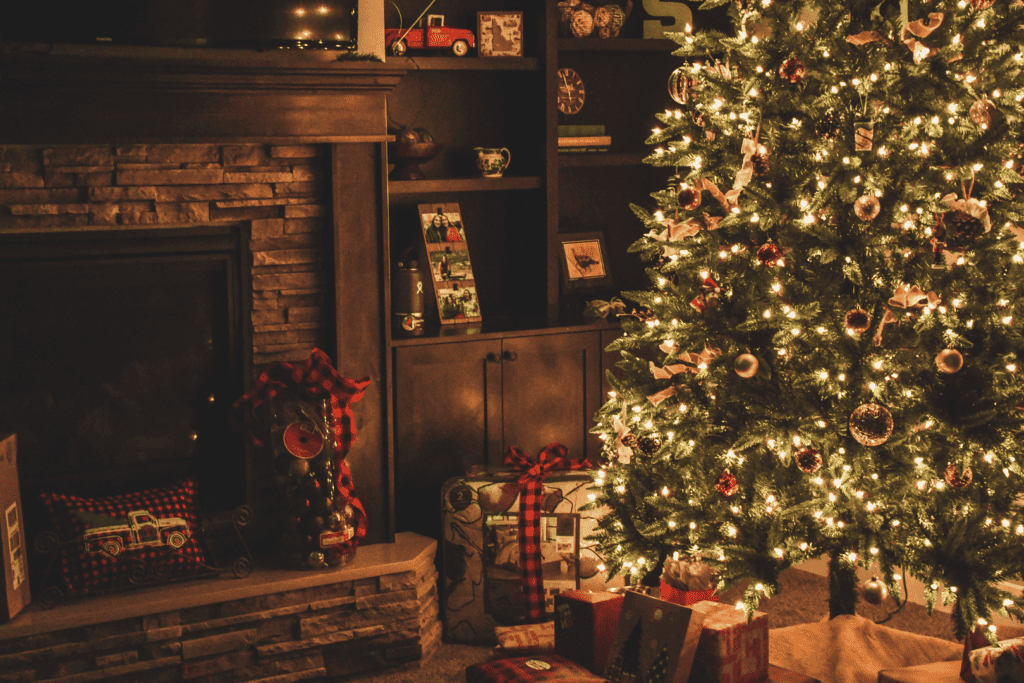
[617,44]
[415,62]
[599,159]
[398,187]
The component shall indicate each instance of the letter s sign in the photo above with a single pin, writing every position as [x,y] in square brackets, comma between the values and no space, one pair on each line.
[680,13]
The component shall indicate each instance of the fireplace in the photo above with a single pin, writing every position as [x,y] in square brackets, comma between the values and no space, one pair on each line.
[151,158]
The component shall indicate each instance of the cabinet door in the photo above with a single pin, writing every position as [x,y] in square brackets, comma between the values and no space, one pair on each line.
[551,390]
[442,396]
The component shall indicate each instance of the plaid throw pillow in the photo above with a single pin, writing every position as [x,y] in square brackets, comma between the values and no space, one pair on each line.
[119,541]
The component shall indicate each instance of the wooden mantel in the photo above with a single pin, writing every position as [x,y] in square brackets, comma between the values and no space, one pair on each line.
[66,94]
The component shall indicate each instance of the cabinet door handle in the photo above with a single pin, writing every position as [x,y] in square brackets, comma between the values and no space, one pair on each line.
[510,355]
[493,357]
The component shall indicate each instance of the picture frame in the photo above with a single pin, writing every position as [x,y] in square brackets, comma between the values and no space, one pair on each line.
[584,261]
[449,263]
[499,34]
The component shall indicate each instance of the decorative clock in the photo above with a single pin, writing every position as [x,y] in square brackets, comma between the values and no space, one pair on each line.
[571,93]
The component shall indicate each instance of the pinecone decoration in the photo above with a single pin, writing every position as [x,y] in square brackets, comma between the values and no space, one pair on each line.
[828,125]
[792,70]
[761,163]
[962,228]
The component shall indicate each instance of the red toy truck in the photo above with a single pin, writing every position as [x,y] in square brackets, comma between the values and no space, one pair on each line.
[435,36]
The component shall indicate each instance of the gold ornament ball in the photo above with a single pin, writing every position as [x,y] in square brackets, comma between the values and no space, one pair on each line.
[679,85]
[874,591]
[746,365]
[949,361]
[858,321]
[867,207]
[871,424]
[983,113]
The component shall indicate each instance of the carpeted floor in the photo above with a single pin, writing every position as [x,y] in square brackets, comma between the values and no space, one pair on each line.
[803,600]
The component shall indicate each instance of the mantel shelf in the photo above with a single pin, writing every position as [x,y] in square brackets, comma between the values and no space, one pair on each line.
[401,187]
[413,63]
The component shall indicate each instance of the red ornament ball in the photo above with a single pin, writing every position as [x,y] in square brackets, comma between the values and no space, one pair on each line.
[689,198]
[958,479]
[949,361]
[808,460]
[867,207]
[746,365]
[871,424]
[649,444]
[858,321]
[769,254]
[983,113]
[792,70]
[982,4]
[727,484]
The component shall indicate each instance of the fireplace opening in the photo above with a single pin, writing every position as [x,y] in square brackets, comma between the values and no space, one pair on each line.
[120,356]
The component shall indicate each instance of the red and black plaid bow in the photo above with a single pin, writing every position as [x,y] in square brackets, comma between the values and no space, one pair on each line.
[531,487]
[317,378]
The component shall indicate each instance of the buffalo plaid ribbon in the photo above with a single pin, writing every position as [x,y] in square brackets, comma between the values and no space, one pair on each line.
[531,488]
[316,378]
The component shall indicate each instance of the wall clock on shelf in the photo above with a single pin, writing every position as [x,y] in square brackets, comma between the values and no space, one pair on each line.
[571,93]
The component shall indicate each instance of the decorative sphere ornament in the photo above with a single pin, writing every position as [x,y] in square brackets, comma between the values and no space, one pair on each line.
[298,468]
[649,444]
[983,113]
[858,321]
[958,479]
[769,254]
[949,361]
[867,207]
[316,560]
[982,4]
[680,83]
[808,460]
[689,198]
[727,484]
[874,591]
[828,125]
[871,424]
[582,23]
[792,70]
[746,365]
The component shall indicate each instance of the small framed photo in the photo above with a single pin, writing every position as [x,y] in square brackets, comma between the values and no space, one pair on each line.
[451,271]
[584,261]
[499,34]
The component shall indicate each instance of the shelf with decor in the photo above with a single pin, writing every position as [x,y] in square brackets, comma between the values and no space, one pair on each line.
[434,186]
[469,63]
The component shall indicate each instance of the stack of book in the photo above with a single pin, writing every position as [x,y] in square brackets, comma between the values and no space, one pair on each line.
[574,139]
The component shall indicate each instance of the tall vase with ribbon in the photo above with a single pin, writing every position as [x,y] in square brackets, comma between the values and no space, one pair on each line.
[300,418]
[553,458]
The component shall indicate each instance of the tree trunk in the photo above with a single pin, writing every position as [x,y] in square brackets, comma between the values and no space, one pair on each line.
[842,588]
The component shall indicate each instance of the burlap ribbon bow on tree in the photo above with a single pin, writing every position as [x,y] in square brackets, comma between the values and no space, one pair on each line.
[317,379]
[554,457]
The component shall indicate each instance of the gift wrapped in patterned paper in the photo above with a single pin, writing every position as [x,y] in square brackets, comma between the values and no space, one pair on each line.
[731,649]
[687,582]
[1000,663]
[482,579]
[525,639]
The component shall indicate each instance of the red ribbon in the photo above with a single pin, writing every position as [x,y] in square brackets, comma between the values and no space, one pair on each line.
[316,378]
[553,457]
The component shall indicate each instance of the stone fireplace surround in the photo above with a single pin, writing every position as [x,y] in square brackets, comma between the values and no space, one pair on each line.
[151,139]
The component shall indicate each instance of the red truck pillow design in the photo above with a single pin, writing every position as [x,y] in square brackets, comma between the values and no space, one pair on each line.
[115,542]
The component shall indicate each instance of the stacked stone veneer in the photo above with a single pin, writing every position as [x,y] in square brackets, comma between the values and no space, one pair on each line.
[278,189]
[325,632]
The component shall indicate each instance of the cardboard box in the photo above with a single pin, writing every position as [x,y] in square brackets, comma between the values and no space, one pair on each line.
[16,595]
[482,580]
[585,623]
[731,650]
[655,640]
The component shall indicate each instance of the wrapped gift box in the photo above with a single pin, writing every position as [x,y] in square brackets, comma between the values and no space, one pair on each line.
[655,641]
[585,623]
[731,650]
[483,582]
[1000,663]
[525,639]
[533,669]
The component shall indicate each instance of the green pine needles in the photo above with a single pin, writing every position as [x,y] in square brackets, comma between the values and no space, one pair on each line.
[828,362]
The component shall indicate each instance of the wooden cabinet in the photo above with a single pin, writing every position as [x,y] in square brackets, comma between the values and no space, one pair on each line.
[460,405]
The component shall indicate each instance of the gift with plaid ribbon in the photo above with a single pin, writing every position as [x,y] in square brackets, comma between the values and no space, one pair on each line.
[553,457]
[302,414]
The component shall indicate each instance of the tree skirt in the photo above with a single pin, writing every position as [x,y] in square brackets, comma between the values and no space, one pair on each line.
[852,649]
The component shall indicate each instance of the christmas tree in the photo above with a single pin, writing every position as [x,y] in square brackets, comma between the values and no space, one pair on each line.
[826,362]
